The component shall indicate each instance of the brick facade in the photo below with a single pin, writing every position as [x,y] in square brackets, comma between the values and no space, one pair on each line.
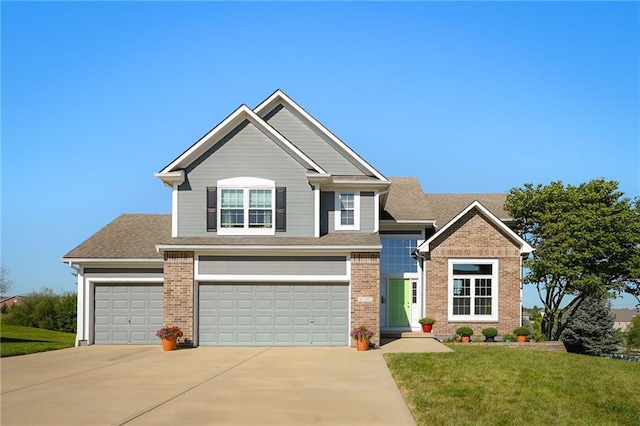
[178,292]
[473,236]
[365,292]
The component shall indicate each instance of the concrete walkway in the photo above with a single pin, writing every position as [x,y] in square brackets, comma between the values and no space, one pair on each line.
[413,345]
[142,385]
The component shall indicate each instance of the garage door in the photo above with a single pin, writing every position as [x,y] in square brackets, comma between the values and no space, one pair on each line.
[128,314]
[273,314]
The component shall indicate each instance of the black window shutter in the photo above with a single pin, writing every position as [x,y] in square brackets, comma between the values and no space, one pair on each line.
[281,208]
[212,220]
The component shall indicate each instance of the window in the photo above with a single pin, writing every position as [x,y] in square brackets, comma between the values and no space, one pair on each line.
[246,206]
[473,289]
[395,257]
[347,211]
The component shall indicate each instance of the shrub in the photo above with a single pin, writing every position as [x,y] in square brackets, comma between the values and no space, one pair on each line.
[590,330]
[45,309]
[464,331]
[522,331]
[633,335]
[509,337]
[490,332]
[67,312]
[427,320]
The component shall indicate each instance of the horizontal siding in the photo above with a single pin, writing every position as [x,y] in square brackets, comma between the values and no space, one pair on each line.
[313,144]
[273,265]
[245,152]
[123,273]
[327,212]
[367,217]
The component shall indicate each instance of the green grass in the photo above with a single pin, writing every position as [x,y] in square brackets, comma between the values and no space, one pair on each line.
[508,386]
[17,340]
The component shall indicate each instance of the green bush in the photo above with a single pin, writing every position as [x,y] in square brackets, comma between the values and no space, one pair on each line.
[45,309]
[633,335]
[464,331]
[66,312]
[522,331]
[490,332]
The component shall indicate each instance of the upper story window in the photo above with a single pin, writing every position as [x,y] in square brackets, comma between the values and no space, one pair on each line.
[246,206]
[347,211]
[473,289]
[395,257]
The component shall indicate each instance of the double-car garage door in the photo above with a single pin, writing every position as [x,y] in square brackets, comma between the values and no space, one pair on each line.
[273,314]
[264,314]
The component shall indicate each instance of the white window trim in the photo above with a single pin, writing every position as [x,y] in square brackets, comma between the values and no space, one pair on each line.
[356,212]
[494,290]
[245,184]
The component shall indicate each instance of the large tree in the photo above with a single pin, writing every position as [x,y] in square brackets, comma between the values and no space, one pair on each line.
[586,240]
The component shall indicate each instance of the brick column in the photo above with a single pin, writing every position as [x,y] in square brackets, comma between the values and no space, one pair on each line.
[365,292]
[178,292]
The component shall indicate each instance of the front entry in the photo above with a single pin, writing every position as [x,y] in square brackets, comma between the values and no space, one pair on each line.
[399,302]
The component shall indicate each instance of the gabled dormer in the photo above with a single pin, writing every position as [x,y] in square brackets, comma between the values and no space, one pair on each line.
[274,170]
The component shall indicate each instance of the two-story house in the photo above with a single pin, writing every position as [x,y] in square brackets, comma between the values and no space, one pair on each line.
[281,235]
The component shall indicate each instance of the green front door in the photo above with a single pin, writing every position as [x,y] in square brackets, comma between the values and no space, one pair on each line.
[399,302]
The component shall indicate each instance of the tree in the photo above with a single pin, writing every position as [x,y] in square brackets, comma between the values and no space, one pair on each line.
[633,335]
[586,240]
[5,282]
[590,330]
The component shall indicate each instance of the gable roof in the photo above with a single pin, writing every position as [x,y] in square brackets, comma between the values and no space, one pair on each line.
[444,207]
[624,315]
[222,129]
[129,236]
[406,201]
[279,97]
[524,246]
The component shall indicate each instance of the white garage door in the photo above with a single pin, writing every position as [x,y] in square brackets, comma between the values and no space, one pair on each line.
[302,314]
[128,314]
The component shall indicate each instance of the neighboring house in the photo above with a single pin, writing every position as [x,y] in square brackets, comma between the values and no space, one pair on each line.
[8,302]
[623,318]
[282,235]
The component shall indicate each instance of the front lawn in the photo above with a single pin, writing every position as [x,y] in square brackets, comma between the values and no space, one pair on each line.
[17,340]
[478,385]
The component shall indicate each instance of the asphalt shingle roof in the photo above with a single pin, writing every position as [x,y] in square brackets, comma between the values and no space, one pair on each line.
[406,201]
[445,207]
[134,236]
[131,236]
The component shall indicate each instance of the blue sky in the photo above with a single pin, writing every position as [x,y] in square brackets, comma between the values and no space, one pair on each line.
[468,97]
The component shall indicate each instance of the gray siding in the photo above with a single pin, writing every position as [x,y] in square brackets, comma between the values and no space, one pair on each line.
[123,273]
[327,212]
[273,265]
[246,151]
[314,145]
[367,217]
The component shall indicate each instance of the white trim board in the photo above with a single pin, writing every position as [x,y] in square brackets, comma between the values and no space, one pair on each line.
[525,248]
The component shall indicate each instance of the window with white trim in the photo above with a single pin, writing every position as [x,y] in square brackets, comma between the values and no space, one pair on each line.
[473,289]
[246,206]
[347,211]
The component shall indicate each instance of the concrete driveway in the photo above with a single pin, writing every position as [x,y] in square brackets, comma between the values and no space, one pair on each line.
[136,385]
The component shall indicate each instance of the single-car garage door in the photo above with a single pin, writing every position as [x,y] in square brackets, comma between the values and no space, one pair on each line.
[301,314]
[128,314]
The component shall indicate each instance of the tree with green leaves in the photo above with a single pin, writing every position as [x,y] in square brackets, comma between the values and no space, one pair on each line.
[586,240]
[590,330]
[633,334]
